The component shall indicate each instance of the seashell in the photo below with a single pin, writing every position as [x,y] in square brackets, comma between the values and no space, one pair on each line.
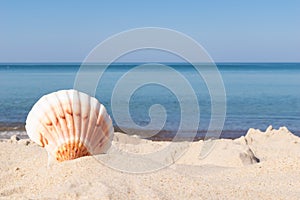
[70,124]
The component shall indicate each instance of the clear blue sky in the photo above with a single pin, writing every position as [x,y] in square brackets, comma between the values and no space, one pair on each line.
[64,31]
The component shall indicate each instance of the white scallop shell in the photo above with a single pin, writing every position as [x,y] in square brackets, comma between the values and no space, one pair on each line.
[70,124]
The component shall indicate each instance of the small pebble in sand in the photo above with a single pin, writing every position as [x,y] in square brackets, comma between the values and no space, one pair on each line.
[14,139]
[24,142]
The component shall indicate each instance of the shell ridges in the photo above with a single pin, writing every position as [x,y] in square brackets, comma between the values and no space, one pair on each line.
[70,124]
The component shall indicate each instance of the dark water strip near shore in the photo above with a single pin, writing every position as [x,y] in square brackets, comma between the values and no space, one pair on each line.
[7,130]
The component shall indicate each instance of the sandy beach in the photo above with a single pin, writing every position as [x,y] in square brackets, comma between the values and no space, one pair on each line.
[260,165]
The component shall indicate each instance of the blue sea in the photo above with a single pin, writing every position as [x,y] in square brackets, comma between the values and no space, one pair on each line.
[257,95]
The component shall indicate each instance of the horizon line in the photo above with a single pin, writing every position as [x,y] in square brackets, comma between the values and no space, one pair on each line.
[158,62]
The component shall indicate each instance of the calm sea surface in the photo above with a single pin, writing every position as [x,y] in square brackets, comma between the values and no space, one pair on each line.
[257,95]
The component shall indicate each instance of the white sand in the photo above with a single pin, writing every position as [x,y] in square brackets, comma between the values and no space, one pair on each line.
[230,171]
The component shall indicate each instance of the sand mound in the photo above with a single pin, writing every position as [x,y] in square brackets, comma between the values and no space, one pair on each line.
[274,145]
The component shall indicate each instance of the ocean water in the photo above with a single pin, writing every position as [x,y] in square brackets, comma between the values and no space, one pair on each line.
[257,95]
